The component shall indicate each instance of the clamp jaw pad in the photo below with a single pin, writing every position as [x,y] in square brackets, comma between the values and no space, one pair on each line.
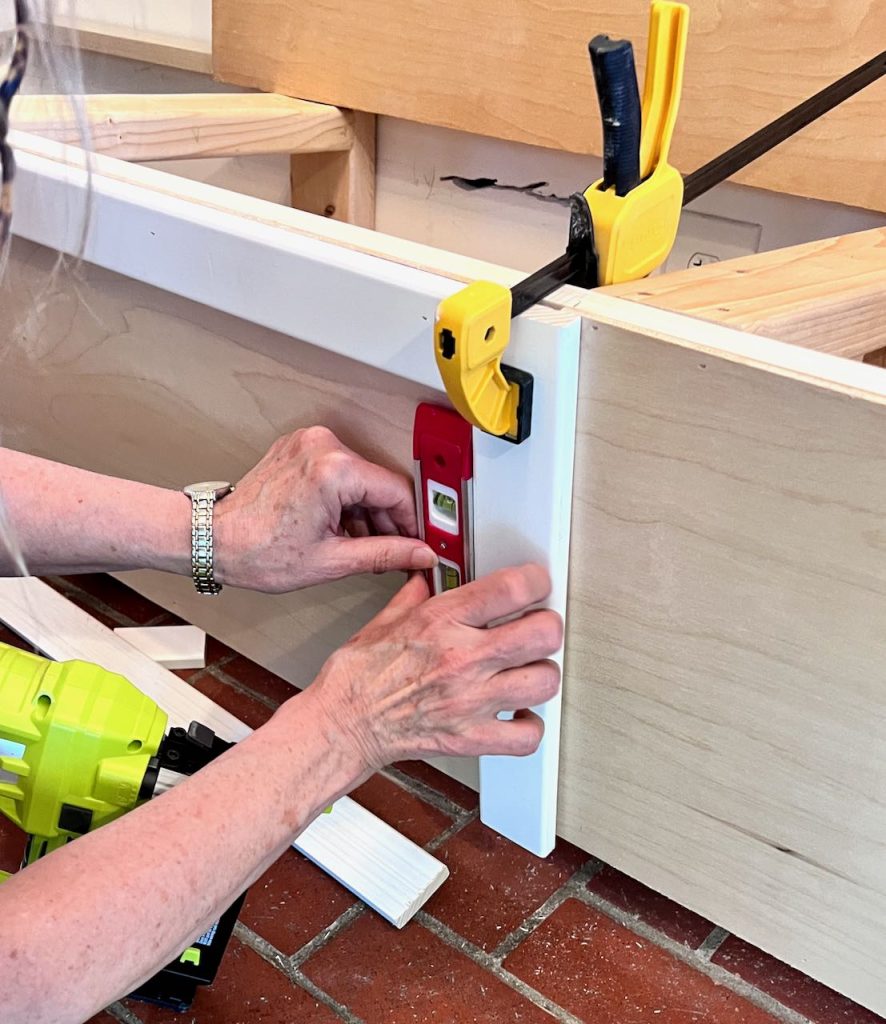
[472,331]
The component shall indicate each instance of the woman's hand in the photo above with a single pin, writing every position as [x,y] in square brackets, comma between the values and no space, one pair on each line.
[429,676]
[312,510]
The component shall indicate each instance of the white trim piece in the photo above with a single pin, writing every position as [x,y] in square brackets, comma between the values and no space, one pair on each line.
[387,871]
[323,259]
[169,646]
[318,291]
[524,493]
[415,255]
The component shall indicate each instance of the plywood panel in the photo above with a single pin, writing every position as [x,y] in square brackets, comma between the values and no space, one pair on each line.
[519,70]
[125,379]
[725,713]
[252,260]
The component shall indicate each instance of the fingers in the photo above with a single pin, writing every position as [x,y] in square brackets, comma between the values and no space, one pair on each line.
[355,522]
[517,738]
[533,636]
[383,523]
[497,596]
[526,687]
[381,491]
[358,522]
[346,556]
[355,481]
[413,593]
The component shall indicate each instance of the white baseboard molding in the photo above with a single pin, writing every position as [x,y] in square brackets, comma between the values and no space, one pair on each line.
[387,871]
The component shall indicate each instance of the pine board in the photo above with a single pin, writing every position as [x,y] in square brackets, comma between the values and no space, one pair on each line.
[179,126]
[519,70]
[828,294]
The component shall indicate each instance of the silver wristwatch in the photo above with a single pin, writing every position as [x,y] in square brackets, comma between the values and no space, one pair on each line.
[203,498]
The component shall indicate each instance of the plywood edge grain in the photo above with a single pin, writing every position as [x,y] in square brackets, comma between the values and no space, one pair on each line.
[807,365]
[829,295]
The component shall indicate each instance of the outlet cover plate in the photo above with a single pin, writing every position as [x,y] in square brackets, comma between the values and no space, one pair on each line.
[704,238]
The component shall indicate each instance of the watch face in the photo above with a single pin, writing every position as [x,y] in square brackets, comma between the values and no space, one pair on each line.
[218,488]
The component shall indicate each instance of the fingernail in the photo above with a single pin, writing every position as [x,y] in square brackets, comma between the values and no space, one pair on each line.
[423,558]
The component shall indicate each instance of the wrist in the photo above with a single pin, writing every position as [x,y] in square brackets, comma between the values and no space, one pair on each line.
[228,544]
[165,543]
[339,760]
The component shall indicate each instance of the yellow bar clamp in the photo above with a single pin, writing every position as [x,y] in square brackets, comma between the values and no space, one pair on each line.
[632,235]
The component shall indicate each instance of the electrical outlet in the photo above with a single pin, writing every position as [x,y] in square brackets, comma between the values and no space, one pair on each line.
[703,238]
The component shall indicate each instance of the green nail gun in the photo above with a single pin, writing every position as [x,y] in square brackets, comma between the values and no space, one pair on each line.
[81,746]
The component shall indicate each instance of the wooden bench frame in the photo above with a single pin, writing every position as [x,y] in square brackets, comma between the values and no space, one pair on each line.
[332,151]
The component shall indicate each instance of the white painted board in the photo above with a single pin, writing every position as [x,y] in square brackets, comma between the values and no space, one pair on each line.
[170,646]
[524,494]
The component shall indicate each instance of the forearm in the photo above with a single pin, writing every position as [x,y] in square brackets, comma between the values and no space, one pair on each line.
[70,520]
[142,888]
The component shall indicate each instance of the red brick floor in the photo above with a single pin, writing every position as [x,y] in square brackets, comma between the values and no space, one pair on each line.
[507,938]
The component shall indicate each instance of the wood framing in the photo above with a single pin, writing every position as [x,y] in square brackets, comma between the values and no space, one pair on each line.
[722,708]
[177,126]
[521,72]
[340,185]
[333,151]
[390,873]
[829,294]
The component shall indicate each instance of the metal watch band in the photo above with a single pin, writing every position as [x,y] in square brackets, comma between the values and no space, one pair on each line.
[202,552]
[203,498]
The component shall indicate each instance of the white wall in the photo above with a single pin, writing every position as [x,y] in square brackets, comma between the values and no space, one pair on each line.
[185,21]
[507,228]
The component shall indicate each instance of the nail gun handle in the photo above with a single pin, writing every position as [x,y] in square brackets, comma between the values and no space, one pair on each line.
[615,76]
